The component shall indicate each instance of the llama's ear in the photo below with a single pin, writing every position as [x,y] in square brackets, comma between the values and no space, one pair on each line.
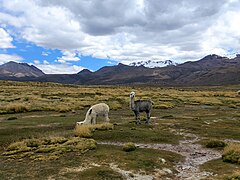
[90,111]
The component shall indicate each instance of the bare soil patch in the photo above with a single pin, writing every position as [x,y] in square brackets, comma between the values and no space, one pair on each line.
[194,154]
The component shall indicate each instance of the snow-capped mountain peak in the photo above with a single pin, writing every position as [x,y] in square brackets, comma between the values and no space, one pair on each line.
[154,63]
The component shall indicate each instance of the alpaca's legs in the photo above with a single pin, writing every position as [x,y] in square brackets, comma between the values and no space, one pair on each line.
[91,122]
[106,118]
[94,119]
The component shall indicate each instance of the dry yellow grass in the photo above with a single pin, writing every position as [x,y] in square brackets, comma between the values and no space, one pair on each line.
[234,176]
[231,153]
[19,97]
[232,147]
[16,107]
[164,105]
[104,126]
[83,131]
[48,148]
[86,131]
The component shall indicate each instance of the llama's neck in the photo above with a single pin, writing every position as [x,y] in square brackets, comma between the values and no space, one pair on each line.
[132,104]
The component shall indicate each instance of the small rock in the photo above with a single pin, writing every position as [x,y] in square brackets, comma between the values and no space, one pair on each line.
[168,171]
[163,161]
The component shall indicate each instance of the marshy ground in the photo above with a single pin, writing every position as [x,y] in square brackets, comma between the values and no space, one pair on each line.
[41,117]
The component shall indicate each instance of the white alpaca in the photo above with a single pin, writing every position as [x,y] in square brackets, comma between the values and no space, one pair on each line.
[100,109]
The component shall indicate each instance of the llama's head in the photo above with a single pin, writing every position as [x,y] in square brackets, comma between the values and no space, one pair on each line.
[132,94]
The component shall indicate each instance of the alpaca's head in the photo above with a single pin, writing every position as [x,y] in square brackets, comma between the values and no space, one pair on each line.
[132,94]
[80,123]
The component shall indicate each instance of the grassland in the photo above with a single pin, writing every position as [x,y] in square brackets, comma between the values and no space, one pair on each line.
[36,111]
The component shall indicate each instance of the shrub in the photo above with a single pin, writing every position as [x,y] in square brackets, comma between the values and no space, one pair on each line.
[115,105]
[16,108]
[33,143]
[12,118]
[104,126]
[235,176]
[129,147]
[231,153]
[232,106]
[215,144]
[55,147]
[63,109]
[16,146]
[84,131]
[165,105]
[54,140]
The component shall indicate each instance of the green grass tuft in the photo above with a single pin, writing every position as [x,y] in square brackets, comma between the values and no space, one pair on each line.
[231,153]
[12,118]
[129,147]
[215,144]
[235,176]
[86,131]
[38,149]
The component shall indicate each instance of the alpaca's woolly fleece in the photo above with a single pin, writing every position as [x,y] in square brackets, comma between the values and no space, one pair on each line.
[100,109]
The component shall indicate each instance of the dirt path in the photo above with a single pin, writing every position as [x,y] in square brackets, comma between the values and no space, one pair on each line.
[194,154]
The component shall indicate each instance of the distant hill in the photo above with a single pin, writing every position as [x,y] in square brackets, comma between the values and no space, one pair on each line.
[210,70]
[19,70]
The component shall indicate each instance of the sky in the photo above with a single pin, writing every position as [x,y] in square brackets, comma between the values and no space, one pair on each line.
[64,37]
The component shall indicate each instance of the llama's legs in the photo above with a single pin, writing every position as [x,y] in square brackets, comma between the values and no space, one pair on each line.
[148,117]
[137,115]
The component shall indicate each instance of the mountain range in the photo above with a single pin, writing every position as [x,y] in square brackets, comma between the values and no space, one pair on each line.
[18,70]
[210,70]
[153,63]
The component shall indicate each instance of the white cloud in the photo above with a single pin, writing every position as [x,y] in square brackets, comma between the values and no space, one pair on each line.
[45,62]
[51,27]
[68,56]
[135,30]
[4,58]
[36,61]
[224,36]
[44,54]
[5,39]
[59,68]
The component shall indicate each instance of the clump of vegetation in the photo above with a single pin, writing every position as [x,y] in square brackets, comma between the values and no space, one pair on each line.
[231,153]
[54,140]
[33,142]
[12,118]
[86,131]
[64,109]
[129,147]
[232,106]
[115,105]
[215,144]
[165,105]
[235,176]
[48,148]
[16,108]
[104,126]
